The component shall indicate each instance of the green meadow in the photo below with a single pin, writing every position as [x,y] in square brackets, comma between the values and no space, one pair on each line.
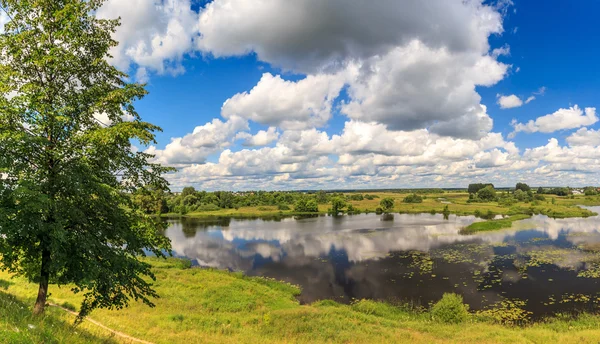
[212,306]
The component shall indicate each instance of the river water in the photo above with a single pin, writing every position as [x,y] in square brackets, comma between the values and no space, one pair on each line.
[550,265]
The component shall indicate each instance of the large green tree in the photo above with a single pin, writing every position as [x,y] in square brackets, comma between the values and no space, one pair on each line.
[67,166]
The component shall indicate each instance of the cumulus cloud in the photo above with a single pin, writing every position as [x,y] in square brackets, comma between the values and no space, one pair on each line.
[287,104]
[570,118]
[509,102]
[584,137]
[312,35]
[154,34]
[203,141]
[416,87]
[262,138]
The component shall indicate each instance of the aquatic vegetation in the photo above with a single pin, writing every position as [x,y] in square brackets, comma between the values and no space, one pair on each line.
[507,312]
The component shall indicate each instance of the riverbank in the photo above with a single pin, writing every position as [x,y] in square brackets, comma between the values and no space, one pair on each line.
[212,306]
[450,203]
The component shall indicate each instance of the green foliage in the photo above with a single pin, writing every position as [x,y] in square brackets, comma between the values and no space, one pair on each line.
[337,205]
[355,197]
[474,188]
[68,177]
[487,194]
[450,309]
[523,187]
[283,207]
[413,198]
[590,191]
[305,205]
[387,204]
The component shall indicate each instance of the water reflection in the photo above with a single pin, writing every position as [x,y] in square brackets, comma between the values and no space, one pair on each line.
[404,257]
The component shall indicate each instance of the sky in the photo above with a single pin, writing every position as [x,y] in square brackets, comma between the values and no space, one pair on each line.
[353,94]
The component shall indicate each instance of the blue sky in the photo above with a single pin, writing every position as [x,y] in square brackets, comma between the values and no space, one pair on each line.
[309,95]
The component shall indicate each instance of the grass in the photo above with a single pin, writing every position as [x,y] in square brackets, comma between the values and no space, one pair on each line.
[492,225]
[563,206]
[17,325]
[211,306]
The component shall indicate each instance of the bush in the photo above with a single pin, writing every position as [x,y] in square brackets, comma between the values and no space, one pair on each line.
[487,194]
[450,309]
[539,197]
[304,205]
[208,207]
[283,207]
[387,204]
[414,198]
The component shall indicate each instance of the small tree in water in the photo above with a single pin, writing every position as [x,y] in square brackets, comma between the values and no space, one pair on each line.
[67,168]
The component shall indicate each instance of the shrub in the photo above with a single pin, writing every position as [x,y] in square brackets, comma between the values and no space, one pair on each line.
[304,205]
[283,207]
[487,194]
[450,309]
[387,204]
[208,207]
[414,198]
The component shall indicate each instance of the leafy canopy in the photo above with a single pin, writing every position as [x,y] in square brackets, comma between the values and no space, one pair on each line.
[67,166]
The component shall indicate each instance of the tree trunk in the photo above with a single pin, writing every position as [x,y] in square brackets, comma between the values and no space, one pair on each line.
[40,303]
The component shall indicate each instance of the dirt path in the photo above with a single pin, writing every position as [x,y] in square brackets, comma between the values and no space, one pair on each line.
[116,333]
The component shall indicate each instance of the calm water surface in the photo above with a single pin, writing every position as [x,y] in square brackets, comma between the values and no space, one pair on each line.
[552,265]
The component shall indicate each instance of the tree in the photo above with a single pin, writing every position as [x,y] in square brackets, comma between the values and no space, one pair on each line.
[474,188]
[67,167]
[540,190]
[337,205]
[487,194]
[187,191]
[304,205]
[387,204]
[522,186]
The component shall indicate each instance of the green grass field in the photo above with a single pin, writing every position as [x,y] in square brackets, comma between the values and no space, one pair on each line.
[457,204]
[210,306]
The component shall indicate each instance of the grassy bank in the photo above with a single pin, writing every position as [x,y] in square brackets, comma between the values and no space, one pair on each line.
[17,325]
[210,306]
[491,225]
[457,203]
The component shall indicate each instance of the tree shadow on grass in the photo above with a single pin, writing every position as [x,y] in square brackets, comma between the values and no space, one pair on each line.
[4,284]
[49,328]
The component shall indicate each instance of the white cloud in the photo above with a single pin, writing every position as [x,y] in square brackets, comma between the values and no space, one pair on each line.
[509,102]
[416,87]
[584,137]
[154,34]
[529,99]
[311,35]
[502,51]
[570,118]
[262,138]
[287,104]
[195,147]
